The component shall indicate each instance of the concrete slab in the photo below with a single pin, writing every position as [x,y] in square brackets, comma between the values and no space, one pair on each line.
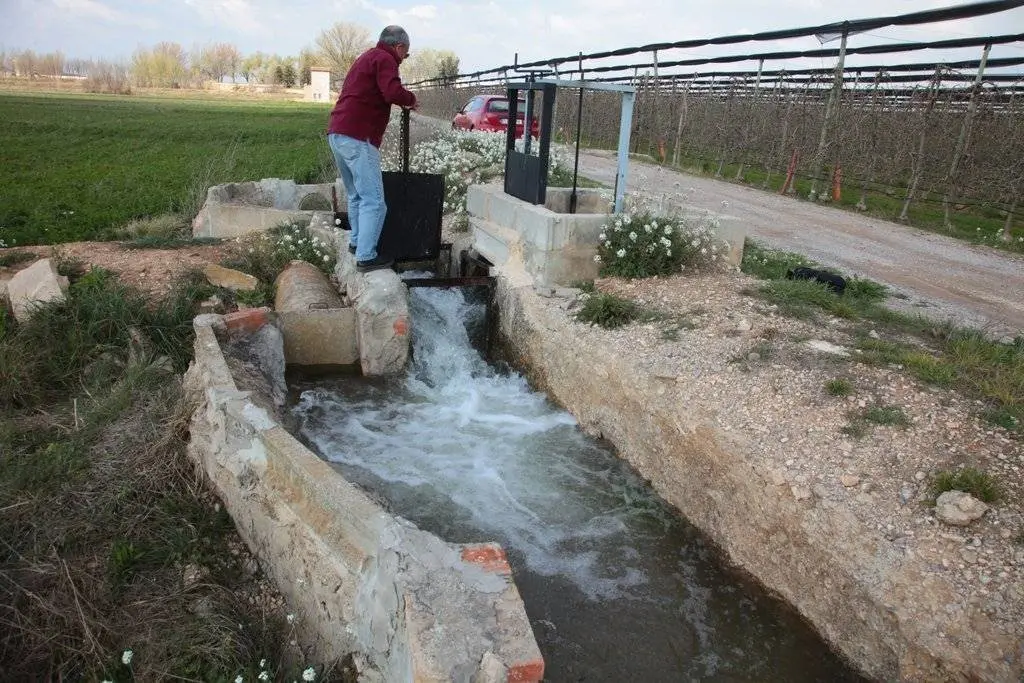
[301,286]
[558,248]
[491,240]
[319,330]
[320,338]
[555,248]
[235,209]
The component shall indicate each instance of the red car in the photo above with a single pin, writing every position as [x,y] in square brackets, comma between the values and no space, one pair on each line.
[490,113]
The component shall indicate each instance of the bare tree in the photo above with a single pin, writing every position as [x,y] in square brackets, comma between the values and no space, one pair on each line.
[24,63]
[428,63]
[308,58]
[918,158]
[340,45]
[165,66]
[447,68]
[108,77]
[250,66]
[217,60]
[79,67]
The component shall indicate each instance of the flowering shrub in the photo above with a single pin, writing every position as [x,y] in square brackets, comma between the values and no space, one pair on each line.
[264,255]
[639,244]
[295,241]
[464,158]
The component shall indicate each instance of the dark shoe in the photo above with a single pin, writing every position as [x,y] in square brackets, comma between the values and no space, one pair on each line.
[352,249]
[378,263]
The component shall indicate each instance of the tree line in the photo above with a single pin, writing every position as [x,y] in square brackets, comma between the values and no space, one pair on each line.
[169,65]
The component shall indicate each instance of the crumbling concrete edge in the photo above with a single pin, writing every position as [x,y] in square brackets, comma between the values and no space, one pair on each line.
[881,609]
[359,579]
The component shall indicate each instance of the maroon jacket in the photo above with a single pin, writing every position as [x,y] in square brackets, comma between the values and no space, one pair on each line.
[371,87]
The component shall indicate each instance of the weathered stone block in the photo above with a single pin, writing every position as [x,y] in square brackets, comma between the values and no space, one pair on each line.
[381,301]
[959,508]
[477,199]
[228,278]
[38,284]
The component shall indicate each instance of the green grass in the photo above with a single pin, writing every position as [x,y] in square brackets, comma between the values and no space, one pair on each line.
[611,311]
[769,264]
[861,421]
[935,354]
[153,242]
[887,416]
[839,386]
[608,311]
[79,167]
[856,429]
[764,350]
[68,345]
[969,480]
[562,177]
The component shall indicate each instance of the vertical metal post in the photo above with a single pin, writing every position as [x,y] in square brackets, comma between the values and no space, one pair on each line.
[683,111]
[573,199]
[833,98]
[405,140]
[654,136]
[625,127]
[513,94]
[964,138]
[528,119]
[544,151]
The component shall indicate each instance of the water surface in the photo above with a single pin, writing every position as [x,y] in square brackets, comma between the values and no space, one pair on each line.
[617,585]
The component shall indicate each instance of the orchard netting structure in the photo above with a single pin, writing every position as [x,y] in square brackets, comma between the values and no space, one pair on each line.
[903,128]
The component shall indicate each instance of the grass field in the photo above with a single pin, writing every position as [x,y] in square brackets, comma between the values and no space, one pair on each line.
[77,166]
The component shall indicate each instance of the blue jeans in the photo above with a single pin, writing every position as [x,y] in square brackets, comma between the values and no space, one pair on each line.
[359,165]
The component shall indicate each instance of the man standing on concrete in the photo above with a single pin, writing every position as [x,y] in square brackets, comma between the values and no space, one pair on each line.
[355,132]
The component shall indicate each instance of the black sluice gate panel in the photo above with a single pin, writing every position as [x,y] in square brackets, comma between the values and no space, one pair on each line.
[412,227]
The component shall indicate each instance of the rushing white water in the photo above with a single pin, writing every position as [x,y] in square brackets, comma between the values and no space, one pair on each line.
[512,462]
[474,454]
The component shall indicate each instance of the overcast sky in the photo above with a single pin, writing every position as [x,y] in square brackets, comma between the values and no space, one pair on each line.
[484,33]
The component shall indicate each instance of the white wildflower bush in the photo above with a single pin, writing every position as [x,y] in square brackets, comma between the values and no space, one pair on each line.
[264,255]
[639,243]
[465,158]
[295,241]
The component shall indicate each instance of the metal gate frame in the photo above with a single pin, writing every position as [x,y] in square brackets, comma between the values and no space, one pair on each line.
[527,178]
